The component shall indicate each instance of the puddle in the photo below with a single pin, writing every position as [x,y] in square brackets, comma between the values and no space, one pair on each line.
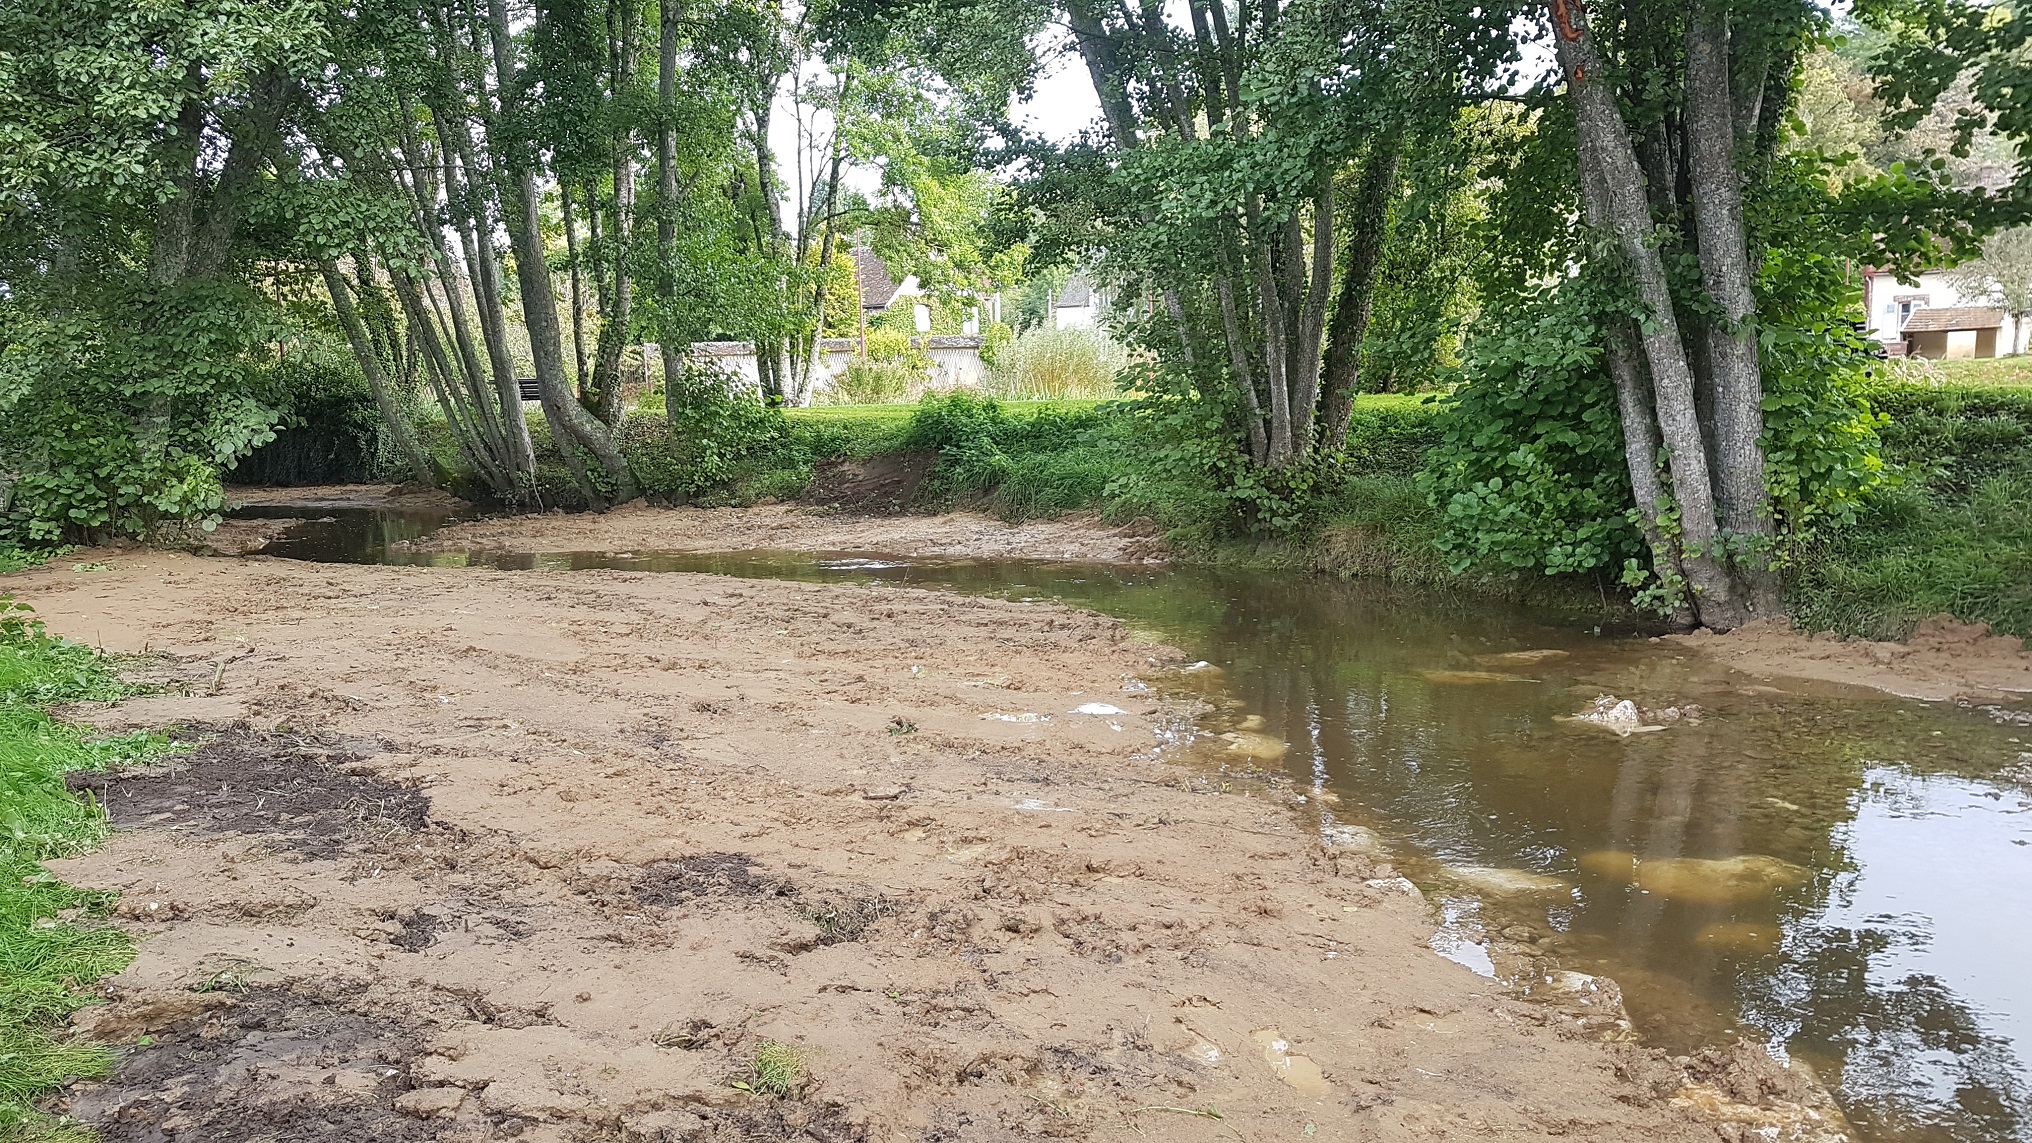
[1296,1070]
[1843,875]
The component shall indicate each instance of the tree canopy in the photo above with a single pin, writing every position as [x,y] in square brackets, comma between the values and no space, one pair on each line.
[1640,217]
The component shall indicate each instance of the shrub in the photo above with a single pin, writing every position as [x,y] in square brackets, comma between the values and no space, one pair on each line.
[715,434]
[891,370]
[331,429]
[1058,363]
[866,381]
[1052,461]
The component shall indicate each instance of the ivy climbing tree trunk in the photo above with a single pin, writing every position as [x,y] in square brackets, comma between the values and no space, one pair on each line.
[1370,228]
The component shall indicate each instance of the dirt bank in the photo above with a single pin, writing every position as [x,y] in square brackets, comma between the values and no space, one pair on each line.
[1942,660]
[785,528]
[314,498]
[553,856]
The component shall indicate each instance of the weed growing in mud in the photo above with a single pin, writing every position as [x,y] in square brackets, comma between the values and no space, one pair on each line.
[777,1069]
[45,960]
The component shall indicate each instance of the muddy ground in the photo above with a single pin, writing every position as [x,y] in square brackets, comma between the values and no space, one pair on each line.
[1942,660]
[804,529]
[469,855]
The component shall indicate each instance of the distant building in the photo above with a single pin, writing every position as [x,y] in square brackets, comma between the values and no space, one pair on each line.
[1078,305]
[880,291]
[1931,318]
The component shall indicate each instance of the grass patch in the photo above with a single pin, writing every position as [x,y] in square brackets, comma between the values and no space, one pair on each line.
[13,559]
[54,940]
[1381,527]
[777,1069]
[2007,371]
[1058,363]
[1950,536]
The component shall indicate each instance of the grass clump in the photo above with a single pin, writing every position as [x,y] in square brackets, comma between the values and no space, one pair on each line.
[778,1069]
[1057,364]
[53,939]
[13,559]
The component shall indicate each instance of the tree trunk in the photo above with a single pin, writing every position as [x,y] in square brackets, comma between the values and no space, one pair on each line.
[1312,321]
[1102,54]
[571,425]
[617,323]
[1367,233]
[176,217]
[1606,154]
[252,140]
[370,365]
[475,223]
[578,297]
[670,29]
[1731,342]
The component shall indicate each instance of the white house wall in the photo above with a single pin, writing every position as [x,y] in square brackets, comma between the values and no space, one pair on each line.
[1882,293]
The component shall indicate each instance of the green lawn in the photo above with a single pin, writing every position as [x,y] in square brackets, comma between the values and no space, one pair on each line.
[55,942]
[1988,371]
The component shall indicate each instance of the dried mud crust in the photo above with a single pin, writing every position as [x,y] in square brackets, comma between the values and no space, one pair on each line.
[294,788]
[622,830]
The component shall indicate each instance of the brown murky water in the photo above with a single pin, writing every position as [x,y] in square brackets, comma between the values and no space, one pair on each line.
[1844,875]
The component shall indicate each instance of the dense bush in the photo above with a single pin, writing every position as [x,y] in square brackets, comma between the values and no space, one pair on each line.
[714,435]
[331,431]
[118,411]
[1532,477]
[1043,464]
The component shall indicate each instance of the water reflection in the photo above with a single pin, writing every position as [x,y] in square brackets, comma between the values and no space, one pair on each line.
[1836,872]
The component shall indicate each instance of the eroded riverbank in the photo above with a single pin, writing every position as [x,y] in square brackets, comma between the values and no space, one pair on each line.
[673,817]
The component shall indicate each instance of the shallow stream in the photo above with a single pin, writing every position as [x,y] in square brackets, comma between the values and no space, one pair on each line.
[1843,875]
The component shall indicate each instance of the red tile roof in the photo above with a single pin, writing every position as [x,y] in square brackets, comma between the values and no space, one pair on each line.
[1953,318]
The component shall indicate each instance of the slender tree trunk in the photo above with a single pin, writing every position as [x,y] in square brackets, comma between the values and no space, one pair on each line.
[1312,320]
[670,31]
[1368,232]
[475,223]
[1105,67]
[1606,153]
[457,407]
[1640,431]
[578,298]
[1243,378]
[370,365]
[1275,358]
[571,425]
[617,325]
[1731,342]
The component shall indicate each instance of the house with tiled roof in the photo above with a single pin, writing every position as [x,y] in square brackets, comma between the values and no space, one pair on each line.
[1929,317]
[880,290]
